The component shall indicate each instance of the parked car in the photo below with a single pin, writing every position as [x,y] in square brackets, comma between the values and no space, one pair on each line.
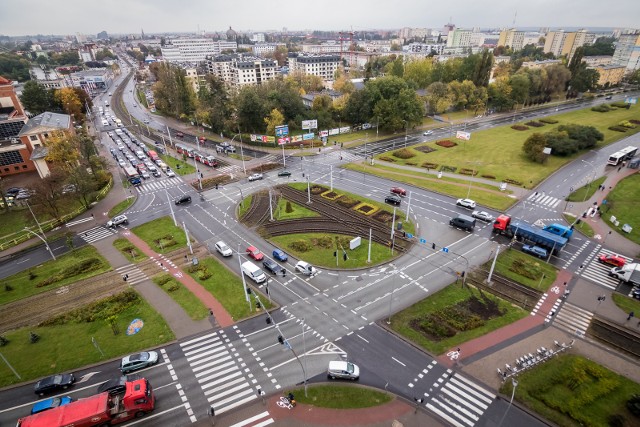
[393,200]
[466,203]
[284,173]
[255,177]
[117,384]
[145,174]
[427,133]
[535,251]
[399,191]
[255,253]
[272,266]
[137,361]
[117,220]
[179,134]
[184,199]
[305,268]
[608,97]
[13,191]
[614,260]
[54,383]
[280,255]
[51,403]
[223,249]
[482,216]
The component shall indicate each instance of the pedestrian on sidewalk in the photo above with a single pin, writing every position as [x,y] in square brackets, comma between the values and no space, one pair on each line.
[631,314]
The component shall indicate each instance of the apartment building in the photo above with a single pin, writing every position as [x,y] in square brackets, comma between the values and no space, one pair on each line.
[610,75]
[194,50]
[262,49]
[318,49]
[512,38]
[597,60]
[627,53]
[459,38]
[562,43]
[323,66]
[240,70]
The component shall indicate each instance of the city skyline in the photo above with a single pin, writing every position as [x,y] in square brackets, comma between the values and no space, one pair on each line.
[161,16]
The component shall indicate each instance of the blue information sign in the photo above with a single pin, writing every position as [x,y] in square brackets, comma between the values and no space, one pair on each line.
[409,235]
[423,241]
[282,130]
[445,250]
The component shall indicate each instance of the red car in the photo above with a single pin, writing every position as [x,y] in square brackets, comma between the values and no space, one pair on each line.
[614,260]
[255,253]
[399,191]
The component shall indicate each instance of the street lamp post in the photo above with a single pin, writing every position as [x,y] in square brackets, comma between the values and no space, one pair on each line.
[43,241]
[593,169]
[406,130]
[244,169]
[514,383]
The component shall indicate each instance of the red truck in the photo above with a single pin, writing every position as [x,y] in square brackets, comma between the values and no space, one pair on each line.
[99,410]
[153,155]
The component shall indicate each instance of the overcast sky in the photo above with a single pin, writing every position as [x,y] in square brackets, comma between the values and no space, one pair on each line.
[129,16]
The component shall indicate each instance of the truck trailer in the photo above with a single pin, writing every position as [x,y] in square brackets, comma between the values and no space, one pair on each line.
[525,231]
[629,273]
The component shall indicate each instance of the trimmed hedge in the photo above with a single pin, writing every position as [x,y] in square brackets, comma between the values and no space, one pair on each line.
[549,121]
[519,127]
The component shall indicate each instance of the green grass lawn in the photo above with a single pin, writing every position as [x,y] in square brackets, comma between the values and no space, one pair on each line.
[623,202]
[297,211]
[442,301]
[183,296]
[244,206]
[525,269]
[570,390]
[162,235]
[129,251]
[69,268]
[585,192]
[626,304]
[498,152]
[408,226]
[483,194]
[584,227]
[121,207]
[69,346]
[186,167]
[341,396]
[323,257]
[227,288]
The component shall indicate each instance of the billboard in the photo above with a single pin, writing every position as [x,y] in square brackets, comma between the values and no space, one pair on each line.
[282,130]
[335,131]
[308,136]
[463,135]
[309,124]
[283,140]
[324,133]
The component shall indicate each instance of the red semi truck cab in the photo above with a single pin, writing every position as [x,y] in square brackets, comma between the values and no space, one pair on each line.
[501,223]
[101,409]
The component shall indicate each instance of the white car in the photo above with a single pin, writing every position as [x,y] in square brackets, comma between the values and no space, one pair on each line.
[223,248]
[482,216]
[117,220]
[427,133]
[306,268]
[255,177]
[466,203]
[170,173]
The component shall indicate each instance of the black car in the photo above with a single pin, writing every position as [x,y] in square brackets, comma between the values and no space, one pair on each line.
[117,384]
[54,383]
[393,200]
[183,199]
[13,191]
[284,173]
[272,266]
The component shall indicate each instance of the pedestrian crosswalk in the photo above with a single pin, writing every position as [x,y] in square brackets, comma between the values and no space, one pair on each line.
[272,158]
[131,274]
[348,156]
[229,169]
[598,272]
[259,420]
[573,319]
[96,233]
[220,371]
[544,200]
[151,186]
[458,400]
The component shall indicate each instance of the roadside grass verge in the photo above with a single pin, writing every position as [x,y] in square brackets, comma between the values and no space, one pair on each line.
[453,316]
[297,211]
[161,235]
[626,304]
[68,345]
[190,303]
[525,269]
[483,194]
[244,206]
[71,267]
[178,166]
[130,252]
[227,288]
[585,192]
[341,396]
[570,390]
[583,227]
[623,202]
[319,250]
[121,207]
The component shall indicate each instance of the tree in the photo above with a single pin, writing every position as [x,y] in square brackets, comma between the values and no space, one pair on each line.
[502,69]
[35,98]
[105,54]
[533,147]
[438,97]
[555,79]
[212,104]
[419,72]
[585,80]
[393,103]
[396,68]
[602,46]
[70,102]
[274,119]
[461,93]
[323,111]
[250,109]
[520,87]
[478,99]
[482,69]
[47,197]
[359,107]
[14,67]
[343,85]
[63,150]
[69,57]
[308,82]
[500,94]
[634,78]
[83,182]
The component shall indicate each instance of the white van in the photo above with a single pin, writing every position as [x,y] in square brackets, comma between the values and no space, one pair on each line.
[105,122]
[253,271]
[341,369]
[118,132]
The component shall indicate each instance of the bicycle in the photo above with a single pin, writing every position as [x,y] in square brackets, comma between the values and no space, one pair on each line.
[286,402]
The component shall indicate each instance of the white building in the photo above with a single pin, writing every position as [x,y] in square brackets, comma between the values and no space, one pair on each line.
[194,50]
[330,47]
[239,70]
[48,77]
[459,38]
[258,37]
[261,49]
[627,53]
[323,66]
[93,80]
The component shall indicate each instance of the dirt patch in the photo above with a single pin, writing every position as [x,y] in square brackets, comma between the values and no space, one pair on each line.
[347,202]
[316,189]
[383,217]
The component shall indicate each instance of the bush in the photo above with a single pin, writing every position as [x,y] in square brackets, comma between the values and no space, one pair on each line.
[620,104]
[325,242]
[288,208]
[446,143]
[488,176]
[3,341]
[84,266]
[468,172]
[102,309]
[604,108]
[8,287]
[429,165]
[163,279]
[534,124]
[519,127]
[627,124]
[618,128]
[549,121]
[411,163]
[635,122]
[174,287]
[387,159]
[512,181]
[33,337]
[300,246]
[32,275]
[404,153]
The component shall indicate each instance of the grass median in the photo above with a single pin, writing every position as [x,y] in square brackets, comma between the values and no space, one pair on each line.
[341,397]
[121,207]
[183,296]
[129,251]
[525,269]
[161,235]
[623,202]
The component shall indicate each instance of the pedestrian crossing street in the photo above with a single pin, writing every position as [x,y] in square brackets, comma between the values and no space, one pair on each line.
[222,374]
[598,273]
[133,273]
[573,319]
[544,200]
[97,233]
[458,400]
[151,186]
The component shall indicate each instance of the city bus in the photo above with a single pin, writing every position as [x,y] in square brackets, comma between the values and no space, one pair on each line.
[623,155]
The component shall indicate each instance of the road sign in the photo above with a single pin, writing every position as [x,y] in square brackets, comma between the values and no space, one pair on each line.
[445,250]
[423,241]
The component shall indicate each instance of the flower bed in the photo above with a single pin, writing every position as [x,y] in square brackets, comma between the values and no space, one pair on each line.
[549,121]
[488,176]
[446,143]
[468,172]
[519,127]
[330,195]
[347,201]
[534,124]
[365,208]
[513,181]
[387,159]
[403,153]
[424,149]
[430,165]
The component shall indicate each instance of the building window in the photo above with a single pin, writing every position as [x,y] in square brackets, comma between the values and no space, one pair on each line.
[33,137]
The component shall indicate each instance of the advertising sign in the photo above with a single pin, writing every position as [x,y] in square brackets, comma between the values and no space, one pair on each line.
[308,136]
[296,138]
[254,137]
[284,140]
[345,129]
[324,133]
[366,126]
[463,135]
[335,131]
[309,124]
[282,130]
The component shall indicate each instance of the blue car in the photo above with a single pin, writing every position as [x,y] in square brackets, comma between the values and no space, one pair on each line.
[46,404]
[535,251]
[279,255]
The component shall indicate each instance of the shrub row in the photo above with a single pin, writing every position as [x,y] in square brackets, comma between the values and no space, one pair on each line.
[468,172]
[549,121]
[620,104]
[618,128]
[488,176]
[519,127]
[635,122]
[448,168]
[513,181]
[429,165]
[99,310]
[604,108]
[534,124]
[84,266]
[201,271]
